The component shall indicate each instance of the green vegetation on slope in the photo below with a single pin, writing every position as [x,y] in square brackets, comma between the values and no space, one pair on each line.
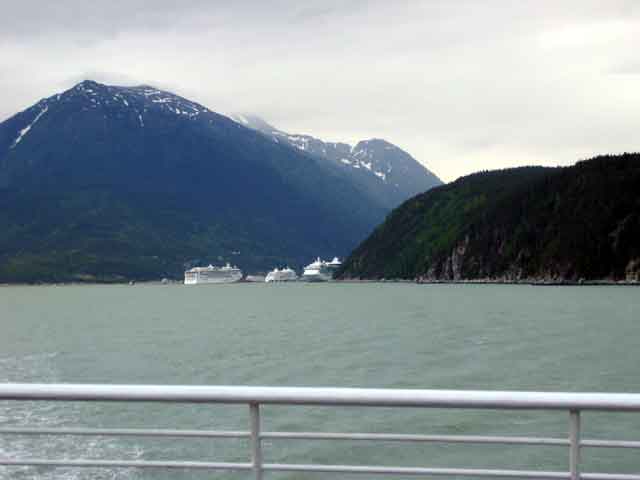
[580,222]
[115,183]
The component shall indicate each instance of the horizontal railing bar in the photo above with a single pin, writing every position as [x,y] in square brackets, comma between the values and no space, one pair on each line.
[609,476]
[134,432]
[609,444]
[283,467]
[392,437]
[463,472]
[506,440]
[324,396]
[37,462]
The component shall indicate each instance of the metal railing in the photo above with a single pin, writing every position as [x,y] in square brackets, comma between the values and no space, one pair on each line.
[254,397]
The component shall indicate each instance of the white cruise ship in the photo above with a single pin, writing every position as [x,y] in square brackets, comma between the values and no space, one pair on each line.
[211,274]
[320,271]
[334,264]
[284,275]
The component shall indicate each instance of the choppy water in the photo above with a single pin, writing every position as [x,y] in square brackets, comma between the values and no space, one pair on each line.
[369,335]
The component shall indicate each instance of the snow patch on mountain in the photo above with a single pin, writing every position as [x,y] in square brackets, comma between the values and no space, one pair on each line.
[241,119]
[360,157]
[140,99]
[26,129]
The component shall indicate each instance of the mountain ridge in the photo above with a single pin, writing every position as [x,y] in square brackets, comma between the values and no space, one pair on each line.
[382,170]
[102,182]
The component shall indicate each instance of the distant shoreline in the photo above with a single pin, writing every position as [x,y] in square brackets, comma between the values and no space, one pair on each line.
[72,284]
[535,283]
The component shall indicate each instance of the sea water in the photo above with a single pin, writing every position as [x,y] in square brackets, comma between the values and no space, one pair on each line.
[490,337]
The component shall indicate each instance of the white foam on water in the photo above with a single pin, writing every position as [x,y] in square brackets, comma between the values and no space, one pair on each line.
[42,368]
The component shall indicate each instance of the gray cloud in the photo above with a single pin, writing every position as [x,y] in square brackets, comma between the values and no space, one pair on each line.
[462,85]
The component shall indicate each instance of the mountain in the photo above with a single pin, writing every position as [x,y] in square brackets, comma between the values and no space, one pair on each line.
[524,224]
[110,183]
[385,173]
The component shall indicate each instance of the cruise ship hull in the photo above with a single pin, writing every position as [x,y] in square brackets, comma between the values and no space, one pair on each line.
[231,279]
[280,276]
[320,271]
[315,276]
[212,275]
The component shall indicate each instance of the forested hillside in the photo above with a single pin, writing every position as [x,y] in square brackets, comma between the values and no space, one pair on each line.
[532,223]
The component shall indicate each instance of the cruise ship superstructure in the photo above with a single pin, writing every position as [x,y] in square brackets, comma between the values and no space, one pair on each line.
[211,274]
[281,275]
[321,271]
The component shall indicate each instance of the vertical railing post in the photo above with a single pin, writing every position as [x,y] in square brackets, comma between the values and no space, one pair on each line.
[574,444]
[256,444]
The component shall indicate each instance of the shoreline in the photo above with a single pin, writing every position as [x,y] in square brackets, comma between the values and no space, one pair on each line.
[531,282]
[528,282]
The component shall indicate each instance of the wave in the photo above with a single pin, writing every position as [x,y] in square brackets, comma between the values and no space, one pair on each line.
[41,367]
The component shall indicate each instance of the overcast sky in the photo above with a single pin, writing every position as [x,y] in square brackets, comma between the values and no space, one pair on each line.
[462,85]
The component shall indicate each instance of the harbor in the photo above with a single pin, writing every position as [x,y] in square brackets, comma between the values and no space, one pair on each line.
[317,271]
